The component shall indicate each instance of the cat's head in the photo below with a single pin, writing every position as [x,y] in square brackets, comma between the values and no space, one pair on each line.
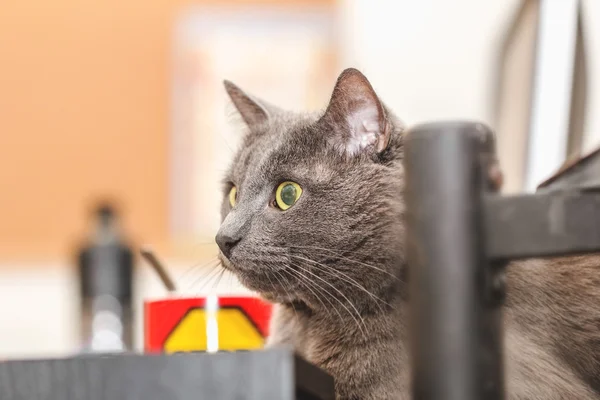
[312,204]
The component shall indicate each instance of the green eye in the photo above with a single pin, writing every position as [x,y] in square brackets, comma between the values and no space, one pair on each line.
[233,196]
[287,194]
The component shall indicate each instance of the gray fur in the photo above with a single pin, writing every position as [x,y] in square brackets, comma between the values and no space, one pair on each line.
[333,266]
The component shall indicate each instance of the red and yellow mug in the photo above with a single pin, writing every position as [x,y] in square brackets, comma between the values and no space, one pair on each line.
[214,323]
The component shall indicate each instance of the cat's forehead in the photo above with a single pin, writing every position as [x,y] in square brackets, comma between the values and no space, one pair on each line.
[283,151]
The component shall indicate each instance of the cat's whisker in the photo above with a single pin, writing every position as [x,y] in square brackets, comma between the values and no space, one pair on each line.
[340,293]
[307,283]
[202,274]
[327,296]
[181,277]
[185,274]
[209,279]
[216,283]
[230,285]
[334,255]
[341,257]
[340,252]
[206,276]
[283,287]
[325,268]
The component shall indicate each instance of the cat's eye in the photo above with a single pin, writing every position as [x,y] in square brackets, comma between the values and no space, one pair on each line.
[287,194]
[233,196]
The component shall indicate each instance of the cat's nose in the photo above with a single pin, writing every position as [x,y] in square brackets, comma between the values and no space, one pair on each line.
[226,243]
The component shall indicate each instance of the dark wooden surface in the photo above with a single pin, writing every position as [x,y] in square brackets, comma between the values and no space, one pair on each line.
[261,375]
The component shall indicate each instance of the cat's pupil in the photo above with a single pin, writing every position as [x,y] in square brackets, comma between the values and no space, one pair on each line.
[288,194]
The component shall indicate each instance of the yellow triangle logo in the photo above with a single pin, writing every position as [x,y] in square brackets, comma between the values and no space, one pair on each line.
[235,332]
[189,334]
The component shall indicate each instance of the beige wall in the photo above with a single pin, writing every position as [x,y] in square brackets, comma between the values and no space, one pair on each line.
[84,112]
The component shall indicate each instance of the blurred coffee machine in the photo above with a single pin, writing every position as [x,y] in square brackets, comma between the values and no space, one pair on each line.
[105,267]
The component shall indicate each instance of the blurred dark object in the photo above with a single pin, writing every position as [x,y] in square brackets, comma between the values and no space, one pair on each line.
[561,218]
[106,278]
[456,320]
[261,375]
[461,235]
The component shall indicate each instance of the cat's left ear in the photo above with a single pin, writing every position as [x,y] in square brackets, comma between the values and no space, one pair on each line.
[253,111]
[356,115]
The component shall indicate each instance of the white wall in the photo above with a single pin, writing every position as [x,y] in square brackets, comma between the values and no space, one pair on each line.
[428,59]
[434,59]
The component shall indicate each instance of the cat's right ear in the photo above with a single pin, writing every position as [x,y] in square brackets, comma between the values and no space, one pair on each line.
[356,117]
[254,112]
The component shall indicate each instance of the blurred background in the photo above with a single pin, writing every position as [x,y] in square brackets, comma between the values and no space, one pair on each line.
[121,103]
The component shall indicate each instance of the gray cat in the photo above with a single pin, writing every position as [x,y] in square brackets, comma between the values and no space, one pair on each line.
[312,220]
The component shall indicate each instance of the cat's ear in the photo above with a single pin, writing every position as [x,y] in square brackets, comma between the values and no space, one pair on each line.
[253,111]
[356,115]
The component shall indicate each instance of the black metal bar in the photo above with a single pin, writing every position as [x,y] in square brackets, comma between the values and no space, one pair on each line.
[542,225]
[257,375]
[456,329]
